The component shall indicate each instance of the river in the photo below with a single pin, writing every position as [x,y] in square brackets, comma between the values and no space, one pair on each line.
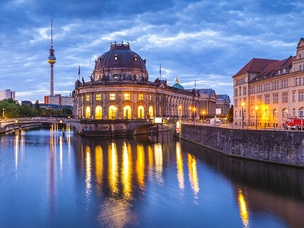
[51,179]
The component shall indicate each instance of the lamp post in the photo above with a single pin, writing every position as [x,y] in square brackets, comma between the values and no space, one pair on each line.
[256,117]
[243,104]
[194,112]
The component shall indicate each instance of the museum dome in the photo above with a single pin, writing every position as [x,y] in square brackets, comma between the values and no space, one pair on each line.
[177,85]
[120,61]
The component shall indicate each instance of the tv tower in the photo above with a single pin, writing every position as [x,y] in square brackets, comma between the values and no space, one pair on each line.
[52,61]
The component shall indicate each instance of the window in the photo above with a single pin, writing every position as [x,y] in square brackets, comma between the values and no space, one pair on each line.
[293,96]
[112,96]
[296,81]
[300,81]
[140,97]
[267,99]
[301,95]
[98,112]
[127,97]
[115,57]
[87,97]
[275,98]
[284,97]
[300,68]
[284,112]
[244,90]
[150,97]
[135,58]
[98,97]
[275,112]
[235,92]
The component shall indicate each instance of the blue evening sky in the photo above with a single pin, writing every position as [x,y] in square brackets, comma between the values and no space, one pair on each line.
[207,41]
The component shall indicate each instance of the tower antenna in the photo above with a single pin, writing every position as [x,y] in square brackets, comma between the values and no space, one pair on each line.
[52,61]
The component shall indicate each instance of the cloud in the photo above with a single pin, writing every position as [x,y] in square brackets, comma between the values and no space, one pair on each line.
[204,40]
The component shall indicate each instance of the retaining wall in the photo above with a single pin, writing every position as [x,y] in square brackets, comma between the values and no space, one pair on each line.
[284,147]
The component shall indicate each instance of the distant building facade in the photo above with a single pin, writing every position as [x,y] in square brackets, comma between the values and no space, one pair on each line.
[268,91]
[7,94]
[119,88]
[58,100]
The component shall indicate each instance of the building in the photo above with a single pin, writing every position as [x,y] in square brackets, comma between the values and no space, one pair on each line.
[222,105]
[119,88]
[7,94]
[267,91]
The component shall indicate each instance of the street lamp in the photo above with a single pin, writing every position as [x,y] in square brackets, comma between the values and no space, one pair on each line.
[204,115]
[243,104]
[256,117]
[194,112]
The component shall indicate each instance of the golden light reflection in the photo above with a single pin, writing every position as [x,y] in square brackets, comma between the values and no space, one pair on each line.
[158,153]
[113,168]
[243,209]
[60,154]
[88,171]
[99,168]
[193,176]
[126,170]
[16,150]
[140,166]
[150,160]
[179,164]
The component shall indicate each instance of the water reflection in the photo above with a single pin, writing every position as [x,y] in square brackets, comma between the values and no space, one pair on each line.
[128,183]
[243,209]
[180,168]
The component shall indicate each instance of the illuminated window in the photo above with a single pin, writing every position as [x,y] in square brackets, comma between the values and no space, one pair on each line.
[135,58]
[151,111]
[150,97]
[88,112]
[115,57]
[127,97]
[141,112]
[87,97]
[98,112]
[98,97]
[112,112]
[112,96]
[127,112]
[141,97]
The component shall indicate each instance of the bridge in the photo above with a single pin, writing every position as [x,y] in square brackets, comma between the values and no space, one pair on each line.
[91,127]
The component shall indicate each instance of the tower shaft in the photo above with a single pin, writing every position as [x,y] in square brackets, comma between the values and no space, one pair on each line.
[52,61]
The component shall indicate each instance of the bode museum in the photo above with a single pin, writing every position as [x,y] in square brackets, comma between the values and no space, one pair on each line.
[119,88]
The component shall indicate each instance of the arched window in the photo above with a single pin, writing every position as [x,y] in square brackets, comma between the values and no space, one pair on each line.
[151,112]
[141,114]
[112,112]
[127,112]
[275,112]
[88,112]
[301,112]
[98,112]
[284,112]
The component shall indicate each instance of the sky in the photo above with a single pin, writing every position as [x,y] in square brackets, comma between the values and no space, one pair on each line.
[202,43]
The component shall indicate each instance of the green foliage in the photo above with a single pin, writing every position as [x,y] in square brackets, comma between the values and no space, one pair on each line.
[230,114]
[12,109]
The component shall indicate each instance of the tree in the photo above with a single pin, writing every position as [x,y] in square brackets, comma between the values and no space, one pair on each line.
[230,114]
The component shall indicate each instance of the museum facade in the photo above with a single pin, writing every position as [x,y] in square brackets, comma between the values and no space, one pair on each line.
[119,88]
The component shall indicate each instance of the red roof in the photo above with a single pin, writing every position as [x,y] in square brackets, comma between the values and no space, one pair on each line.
[255,65]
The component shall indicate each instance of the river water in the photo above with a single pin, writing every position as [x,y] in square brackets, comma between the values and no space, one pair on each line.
[51,179]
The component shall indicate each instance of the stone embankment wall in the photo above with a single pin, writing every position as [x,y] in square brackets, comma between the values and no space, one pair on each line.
[284,147]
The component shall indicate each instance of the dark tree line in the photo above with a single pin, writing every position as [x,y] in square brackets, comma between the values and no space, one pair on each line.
[12,109]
